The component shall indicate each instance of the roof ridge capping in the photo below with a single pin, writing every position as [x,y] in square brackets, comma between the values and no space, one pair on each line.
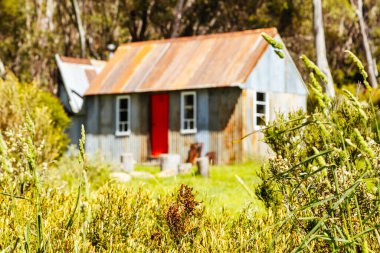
[271,30]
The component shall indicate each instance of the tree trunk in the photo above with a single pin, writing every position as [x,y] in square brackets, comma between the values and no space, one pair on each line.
[367,49]
[2,68]
[82,35]
[50,6]
[320,47]
[177,18]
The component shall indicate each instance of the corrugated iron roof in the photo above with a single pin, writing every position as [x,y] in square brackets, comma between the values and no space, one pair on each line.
[218,60]
[76,76]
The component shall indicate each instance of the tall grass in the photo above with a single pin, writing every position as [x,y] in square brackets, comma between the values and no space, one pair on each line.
[39,215]
[321,190]
[324,179]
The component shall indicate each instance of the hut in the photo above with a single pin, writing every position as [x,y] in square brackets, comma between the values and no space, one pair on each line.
[161,96]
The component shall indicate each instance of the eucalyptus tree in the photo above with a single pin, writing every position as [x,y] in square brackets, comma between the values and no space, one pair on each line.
[371,68]
[320,47]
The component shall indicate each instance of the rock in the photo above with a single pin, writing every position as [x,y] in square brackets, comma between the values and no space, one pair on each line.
[121,177]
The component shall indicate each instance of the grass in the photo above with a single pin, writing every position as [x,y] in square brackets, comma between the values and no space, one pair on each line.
[221,192]
[321,191]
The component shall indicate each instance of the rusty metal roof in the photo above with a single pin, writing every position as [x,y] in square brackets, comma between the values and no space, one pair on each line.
[218,60]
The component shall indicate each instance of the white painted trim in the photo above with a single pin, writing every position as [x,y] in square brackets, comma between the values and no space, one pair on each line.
[255,114]
[194,130]
[128,132]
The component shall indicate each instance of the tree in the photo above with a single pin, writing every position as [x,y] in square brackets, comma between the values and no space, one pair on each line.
[2,68]
[177,18]
[136,17]
[367,49]
[320,47]
[82,34]
[35,30]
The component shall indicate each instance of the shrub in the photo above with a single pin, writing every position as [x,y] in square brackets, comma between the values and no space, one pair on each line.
[183,215]
[48,217]
[120,219]
[326,169]
[66,171]
[21,99]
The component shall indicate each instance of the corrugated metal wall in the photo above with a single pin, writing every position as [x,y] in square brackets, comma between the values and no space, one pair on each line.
[74,129]
[280,79]
[278,103]
[274,74]
[226,125]
[223,116]
[219,123]
[101,125]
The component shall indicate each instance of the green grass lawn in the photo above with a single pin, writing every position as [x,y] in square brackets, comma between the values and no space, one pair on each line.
[221,192]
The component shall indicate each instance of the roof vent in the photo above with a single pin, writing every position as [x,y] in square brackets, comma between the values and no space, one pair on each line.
[111,49]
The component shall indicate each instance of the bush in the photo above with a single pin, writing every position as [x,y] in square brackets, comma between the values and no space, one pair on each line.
[49,119]
[326,170]
[66,171]
[51,217]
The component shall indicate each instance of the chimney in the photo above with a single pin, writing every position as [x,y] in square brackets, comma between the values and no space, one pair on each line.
[111,49]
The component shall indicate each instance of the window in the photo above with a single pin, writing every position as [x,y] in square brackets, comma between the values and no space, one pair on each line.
[123,115]
[188,112]
[260,109]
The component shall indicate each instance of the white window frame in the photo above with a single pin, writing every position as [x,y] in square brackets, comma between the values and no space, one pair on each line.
[128,132]
[256,114]
[194,130]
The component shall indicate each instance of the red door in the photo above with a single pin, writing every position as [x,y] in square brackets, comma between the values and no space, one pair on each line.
[159,123]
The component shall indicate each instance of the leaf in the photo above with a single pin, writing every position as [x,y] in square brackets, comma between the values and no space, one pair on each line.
[71,218]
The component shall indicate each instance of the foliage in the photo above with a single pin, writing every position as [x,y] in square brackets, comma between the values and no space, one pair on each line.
[50,217]
[360,66]
[65,172]
[42,214]
[18,100]
[46,218]
[275,44]
[182,216]
[37,30]
[321,189]
[362,94]
[326,171]
[116,217]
